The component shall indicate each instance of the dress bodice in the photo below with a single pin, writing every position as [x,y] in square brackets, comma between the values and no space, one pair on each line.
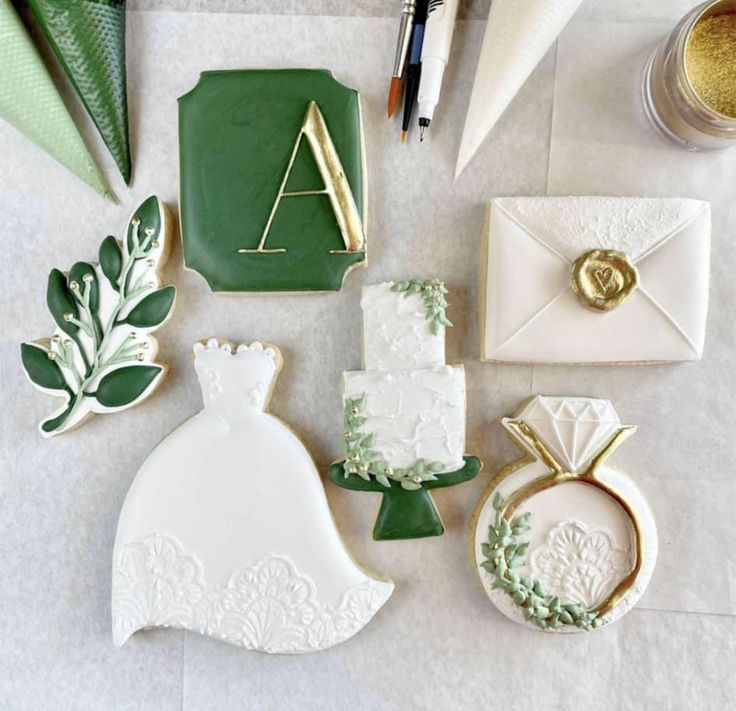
[235,381]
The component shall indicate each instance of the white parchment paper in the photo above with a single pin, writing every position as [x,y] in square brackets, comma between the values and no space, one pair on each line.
[438,643]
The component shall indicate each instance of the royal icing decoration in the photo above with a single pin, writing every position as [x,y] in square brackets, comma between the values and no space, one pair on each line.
[30,102]
[88,37]
[281,152]
[102,355]
[404,415]
[258,561]
[563,542]
[595,279]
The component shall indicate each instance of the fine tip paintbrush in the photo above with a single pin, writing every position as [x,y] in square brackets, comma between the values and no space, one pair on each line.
[408,8]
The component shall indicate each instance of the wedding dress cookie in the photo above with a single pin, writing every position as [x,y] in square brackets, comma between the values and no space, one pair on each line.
[102,355]
[562,541]
[226,529]
[404,415]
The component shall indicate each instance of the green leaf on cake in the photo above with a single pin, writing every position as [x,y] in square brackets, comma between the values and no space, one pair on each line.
[111,260]
[43,371]
[61,303]
[145,227]
[153,309]
[125,385]
[86,290]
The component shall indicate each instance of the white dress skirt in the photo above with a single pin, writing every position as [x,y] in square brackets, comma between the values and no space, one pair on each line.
[226,530]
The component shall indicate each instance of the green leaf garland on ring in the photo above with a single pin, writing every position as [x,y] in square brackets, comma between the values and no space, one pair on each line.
[433,292]
[100,358]
[503,552]
[362,459]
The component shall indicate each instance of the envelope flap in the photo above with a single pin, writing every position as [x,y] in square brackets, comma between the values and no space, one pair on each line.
[675,276]
[572,226]
[523,277]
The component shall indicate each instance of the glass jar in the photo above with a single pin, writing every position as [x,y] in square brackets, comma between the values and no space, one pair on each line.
[670,100]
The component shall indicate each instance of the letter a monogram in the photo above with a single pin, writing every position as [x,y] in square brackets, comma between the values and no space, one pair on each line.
[336,187]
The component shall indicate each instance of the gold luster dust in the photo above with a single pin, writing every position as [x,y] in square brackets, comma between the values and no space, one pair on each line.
[710,59]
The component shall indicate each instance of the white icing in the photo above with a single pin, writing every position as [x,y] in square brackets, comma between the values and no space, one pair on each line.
[268,606]
[235,496]
[574,428]
[396,331]
[581,543]
[414,403]
[414,414]
[579,565]
[145,273]
[532,315]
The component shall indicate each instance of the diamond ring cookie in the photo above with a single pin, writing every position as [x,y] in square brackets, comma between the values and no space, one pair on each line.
[226,530]
[404,415]
[563,541]
[595,280]
[101,357]
[272,180]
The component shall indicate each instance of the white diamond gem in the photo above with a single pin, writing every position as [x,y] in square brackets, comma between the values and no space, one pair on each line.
[574,428]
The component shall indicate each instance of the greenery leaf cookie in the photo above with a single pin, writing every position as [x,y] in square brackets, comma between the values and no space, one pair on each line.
[101,357]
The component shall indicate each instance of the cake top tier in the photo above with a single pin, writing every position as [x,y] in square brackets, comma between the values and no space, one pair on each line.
[404,324]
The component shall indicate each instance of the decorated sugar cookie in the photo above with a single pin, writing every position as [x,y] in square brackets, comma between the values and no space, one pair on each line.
[562,541]
[101,357]
[281,154]
[226,529]
[404,415]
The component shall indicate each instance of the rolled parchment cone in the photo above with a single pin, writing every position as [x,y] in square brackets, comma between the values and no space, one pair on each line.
[88,37]
[30,102]
[518,35]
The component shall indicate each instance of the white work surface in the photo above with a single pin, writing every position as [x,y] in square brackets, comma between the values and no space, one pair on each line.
[575,128]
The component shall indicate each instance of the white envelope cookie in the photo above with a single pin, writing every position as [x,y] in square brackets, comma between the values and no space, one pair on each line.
[595,279]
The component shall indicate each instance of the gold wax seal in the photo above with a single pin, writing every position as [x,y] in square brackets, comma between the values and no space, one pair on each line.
[603,279]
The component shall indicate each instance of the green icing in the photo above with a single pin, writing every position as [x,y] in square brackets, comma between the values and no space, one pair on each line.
[88,37]
[30,102]
[237,133]
[99,360]
[405,513]
[503,552]
[433,292]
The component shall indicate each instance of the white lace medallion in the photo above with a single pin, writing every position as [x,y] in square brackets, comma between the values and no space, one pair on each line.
[578,565]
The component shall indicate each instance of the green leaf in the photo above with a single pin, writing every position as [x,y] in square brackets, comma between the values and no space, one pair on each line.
[153,309]
[111,260]
[61,302]
[43,372]
[382,479]
[410,485]
[77,275]
[497,501]
[149,213]
[125,385]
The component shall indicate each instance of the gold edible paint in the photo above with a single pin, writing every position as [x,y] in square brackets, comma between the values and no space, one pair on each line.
[710,61]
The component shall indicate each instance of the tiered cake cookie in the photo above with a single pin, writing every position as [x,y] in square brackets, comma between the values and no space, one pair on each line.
[404,427]
[564,542]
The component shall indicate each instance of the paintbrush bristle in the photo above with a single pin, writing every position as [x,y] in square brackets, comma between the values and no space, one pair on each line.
[403,136]
[394,95]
